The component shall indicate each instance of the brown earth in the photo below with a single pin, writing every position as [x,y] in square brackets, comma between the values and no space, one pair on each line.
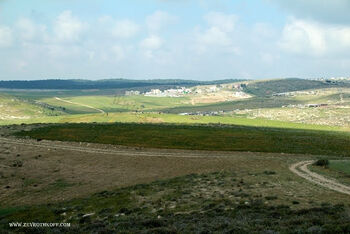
[33,172]
[301,169]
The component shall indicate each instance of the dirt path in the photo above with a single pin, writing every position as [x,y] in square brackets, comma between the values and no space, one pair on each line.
[79,104]
[35,172]
[125,151]
[52,171]
[301,170]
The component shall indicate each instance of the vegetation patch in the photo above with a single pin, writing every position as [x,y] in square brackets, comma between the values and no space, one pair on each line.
[267,88]
[322,163]
[341,166]
[222,138]
[180,205]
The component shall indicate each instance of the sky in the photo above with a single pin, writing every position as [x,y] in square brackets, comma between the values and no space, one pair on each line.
[174,39]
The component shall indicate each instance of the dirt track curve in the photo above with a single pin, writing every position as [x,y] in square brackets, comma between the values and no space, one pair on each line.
[301,170]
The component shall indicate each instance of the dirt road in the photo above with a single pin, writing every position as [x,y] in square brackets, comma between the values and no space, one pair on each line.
[301,170]
[79,104]
[118,150]
[65,170]
[37,172]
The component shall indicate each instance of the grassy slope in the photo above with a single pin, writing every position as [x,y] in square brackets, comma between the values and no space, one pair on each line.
[17,108]
[341,166]
[180,205]
[250,103]
[330,98]
[263,90]
[269,87]
[119,103]
[233,138]
[69,108]
[104,99]
[172,118]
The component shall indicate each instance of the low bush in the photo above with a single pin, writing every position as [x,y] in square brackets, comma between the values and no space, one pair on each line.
[322,163]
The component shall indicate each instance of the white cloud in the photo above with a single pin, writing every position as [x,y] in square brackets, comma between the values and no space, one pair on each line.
[6,36]
[57,51]
[263,30]
[218,35]
[152,42]
[68,28]
[118,52]
[125,29]
[334,11]
[213,36]
[150,45]
[269,58]
[158,20]
[307,37]
[225,23]
[28,30]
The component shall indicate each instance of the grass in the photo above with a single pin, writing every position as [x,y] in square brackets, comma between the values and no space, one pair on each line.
[31,94]
[331,115]
[222,138]
[18,109]
[117,103]
[269,87]
[59,184]
[340,166]
[128,117]
[250,103]
[107,100]
[181,205]
[69,108]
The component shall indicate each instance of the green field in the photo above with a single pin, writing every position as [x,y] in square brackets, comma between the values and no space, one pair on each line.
[132,117]
[269,87]
[340,165]
[224,138]
[250,103]
[261,105]
[41,94]
[15,109]
[117,103]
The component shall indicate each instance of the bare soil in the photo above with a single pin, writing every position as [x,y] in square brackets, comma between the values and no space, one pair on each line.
[37,172]
[301,169]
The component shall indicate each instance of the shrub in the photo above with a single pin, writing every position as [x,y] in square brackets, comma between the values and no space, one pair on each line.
[322,163]
[271,197]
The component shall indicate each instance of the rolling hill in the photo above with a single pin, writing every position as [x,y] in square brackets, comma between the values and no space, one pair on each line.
[104,84]
[269,87]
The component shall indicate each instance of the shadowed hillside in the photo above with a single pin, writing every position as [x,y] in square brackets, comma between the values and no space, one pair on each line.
[104,84]
[266,88]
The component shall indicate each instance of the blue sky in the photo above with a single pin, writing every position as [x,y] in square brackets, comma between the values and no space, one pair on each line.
[187,39]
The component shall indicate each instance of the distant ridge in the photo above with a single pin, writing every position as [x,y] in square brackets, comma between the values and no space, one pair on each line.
[270,87]
[74,84]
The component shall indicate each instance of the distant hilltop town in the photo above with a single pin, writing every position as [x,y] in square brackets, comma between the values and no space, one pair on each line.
[181,91]
[168,92]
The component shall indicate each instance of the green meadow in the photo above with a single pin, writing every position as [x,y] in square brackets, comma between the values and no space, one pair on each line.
[341,166]
[116,103]
[199,137]
[135,117]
